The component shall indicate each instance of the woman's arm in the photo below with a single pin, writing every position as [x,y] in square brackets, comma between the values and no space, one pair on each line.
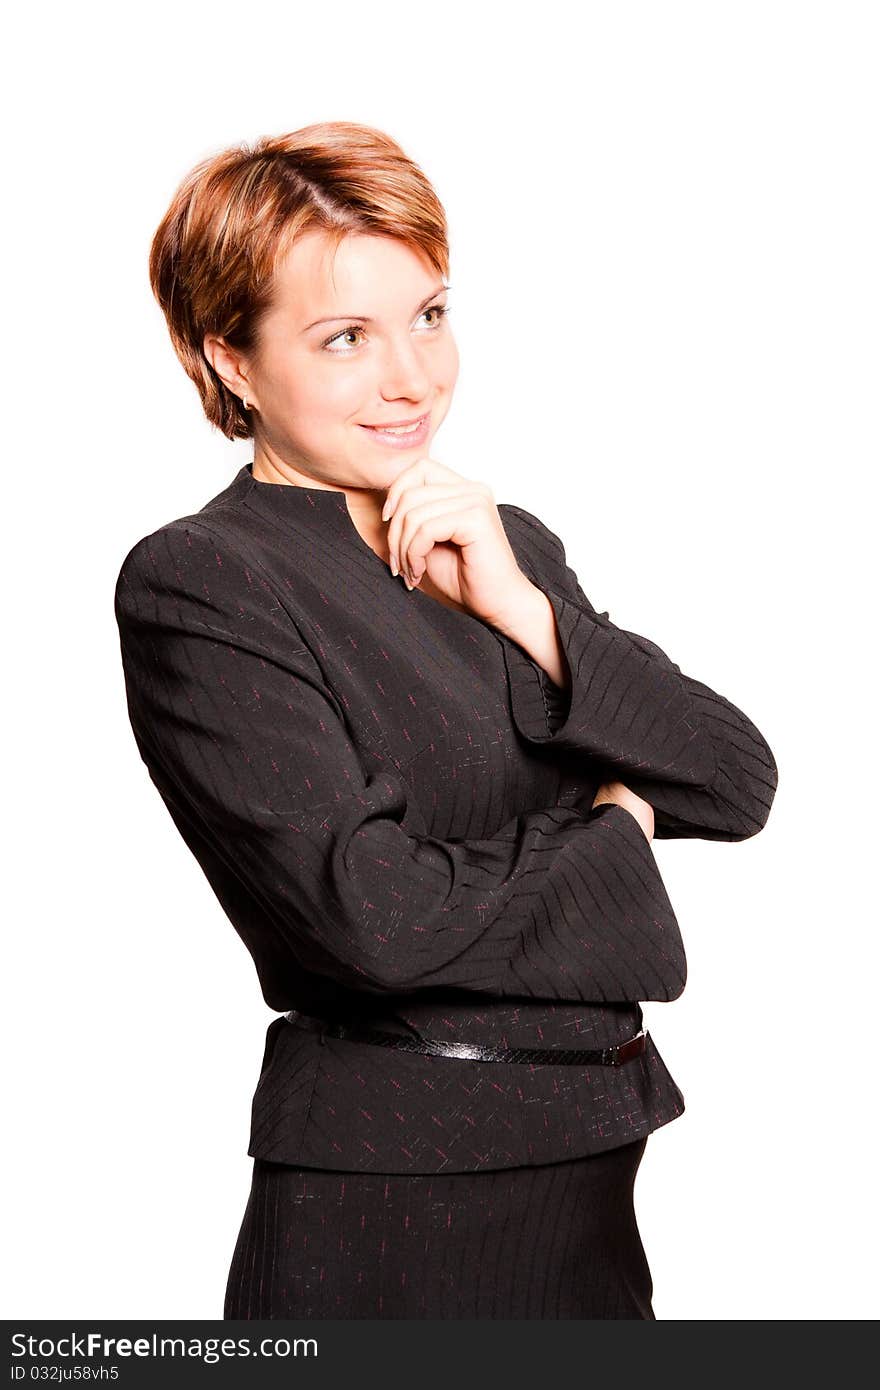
[234,721]
[698,759]
[531,623]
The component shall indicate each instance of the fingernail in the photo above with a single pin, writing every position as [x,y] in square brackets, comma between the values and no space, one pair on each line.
[407,583]
[386,511]
[393,560]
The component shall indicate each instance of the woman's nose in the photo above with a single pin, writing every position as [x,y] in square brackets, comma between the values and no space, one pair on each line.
[404,374]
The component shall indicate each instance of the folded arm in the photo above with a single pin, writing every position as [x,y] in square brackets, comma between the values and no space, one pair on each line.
[703,765]
[230,709]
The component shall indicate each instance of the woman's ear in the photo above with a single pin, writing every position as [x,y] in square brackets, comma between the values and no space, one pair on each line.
[228,365]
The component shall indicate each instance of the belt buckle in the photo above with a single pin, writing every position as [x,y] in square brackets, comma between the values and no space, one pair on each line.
[631,1048]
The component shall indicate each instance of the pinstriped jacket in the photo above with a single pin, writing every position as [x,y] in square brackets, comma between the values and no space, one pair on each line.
[393,805]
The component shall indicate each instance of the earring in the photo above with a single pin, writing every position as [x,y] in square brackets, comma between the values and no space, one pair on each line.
[244,402]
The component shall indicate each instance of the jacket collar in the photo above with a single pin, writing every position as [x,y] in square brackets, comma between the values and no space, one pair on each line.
[281,501]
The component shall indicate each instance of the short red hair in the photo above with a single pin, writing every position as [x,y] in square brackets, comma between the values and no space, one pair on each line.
[213,257]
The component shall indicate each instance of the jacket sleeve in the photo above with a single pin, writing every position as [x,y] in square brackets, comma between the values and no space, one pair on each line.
[234,720]
[705,768]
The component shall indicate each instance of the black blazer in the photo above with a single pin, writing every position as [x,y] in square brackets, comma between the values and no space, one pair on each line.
[393,805]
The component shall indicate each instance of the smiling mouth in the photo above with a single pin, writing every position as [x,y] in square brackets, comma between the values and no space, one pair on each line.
[400,428]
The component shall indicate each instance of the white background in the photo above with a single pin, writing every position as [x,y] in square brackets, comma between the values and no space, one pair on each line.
[664,232]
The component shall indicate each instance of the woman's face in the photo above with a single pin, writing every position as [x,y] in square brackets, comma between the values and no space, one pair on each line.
[350,343]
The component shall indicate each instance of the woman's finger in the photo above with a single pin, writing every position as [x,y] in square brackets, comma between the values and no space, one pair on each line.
[415,502]
[459,522]
[423,472]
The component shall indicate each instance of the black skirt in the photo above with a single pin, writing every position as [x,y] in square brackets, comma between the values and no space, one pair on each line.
[558,1240]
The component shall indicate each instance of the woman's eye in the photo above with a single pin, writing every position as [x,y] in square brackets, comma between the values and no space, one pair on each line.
[439,310]
[345,333]
[353,330]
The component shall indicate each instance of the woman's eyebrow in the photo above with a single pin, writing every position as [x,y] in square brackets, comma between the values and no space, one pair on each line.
[364,318]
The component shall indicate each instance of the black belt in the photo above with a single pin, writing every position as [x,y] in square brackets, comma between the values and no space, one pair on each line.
[475,1052]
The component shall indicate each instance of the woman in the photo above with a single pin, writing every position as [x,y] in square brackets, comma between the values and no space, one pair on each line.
[419,770]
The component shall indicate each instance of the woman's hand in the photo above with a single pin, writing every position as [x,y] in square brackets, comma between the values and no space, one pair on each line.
[621,795]
[448,528]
